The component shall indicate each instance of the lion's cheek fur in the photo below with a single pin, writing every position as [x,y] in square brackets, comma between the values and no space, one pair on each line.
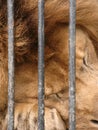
[26,74]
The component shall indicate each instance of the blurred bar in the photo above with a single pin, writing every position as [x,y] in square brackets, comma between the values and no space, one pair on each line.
[72,65]
[41,65]
[10,16]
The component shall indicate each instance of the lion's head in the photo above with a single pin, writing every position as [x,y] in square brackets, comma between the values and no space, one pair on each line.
[56,58]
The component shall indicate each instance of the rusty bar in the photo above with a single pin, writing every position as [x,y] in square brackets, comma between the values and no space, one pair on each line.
[41,65]
[72,65]
[10,7]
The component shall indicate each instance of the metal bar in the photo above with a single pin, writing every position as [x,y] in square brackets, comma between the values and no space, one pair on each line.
[72,65]
[41,65]
[10,7]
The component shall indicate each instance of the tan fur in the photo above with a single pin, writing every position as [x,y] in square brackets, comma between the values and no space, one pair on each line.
[56,64]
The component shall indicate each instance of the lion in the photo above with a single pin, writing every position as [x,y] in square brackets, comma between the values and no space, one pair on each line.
[56,64]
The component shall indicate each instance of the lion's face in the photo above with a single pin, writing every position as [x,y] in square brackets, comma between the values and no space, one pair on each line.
[56,76]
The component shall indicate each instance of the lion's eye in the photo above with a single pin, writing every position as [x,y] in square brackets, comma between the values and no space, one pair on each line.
[94,122]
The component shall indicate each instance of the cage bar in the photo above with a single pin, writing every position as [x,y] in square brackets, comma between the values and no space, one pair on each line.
[41,65]
[10,15]
[72,65]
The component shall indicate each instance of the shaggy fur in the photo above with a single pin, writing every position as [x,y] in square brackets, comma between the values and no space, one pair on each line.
[56,64]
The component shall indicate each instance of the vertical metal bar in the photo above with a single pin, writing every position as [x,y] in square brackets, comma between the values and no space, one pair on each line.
[41,65]
[72,65]
[10,7]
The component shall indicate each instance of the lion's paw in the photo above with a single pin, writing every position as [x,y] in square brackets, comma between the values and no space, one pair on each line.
[26,118]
